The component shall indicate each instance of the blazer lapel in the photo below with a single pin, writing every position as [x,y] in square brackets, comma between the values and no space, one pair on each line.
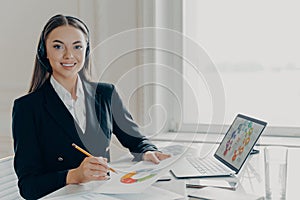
[60,113]
[95,102]
[90,92]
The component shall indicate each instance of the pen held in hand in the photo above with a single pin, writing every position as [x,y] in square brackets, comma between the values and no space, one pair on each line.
[89,155]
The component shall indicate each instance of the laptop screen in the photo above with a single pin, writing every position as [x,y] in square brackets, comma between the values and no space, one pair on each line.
[239,141]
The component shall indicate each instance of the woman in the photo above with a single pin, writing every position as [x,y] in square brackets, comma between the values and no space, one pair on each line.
[63,107]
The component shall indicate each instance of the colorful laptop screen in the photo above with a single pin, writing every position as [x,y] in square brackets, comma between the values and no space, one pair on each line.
[239,140]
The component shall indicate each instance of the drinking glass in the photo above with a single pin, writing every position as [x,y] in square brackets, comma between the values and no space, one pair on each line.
[275,172]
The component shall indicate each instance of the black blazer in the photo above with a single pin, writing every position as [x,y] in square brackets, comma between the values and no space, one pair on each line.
[43,131]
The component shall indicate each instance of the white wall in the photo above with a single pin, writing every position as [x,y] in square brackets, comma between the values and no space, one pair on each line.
[112,19]
[169,62]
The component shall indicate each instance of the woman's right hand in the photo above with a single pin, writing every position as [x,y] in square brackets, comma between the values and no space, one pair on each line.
[91,168]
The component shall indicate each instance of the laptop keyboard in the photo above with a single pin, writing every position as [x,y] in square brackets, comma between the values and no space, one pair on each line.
[208,165]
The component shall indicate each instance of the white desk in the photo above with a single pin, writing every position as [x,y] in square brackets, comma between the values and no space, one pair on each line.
[250,179]
[8,180]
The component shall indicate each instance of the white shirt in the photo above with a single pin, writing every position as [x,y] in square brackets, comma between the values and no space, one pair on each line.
[75,107]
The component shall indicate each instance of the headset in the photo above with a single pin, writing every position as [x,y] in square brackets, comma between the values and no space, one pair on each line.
[41,51]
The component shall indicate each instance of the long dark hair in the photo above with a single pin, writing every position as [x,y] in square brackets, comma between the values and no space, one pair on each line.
[42,68]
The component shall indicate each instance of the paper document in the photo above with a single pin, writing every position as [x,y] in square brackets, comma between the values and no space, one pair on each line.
[176,186]
[84,196]
[136,178]
[151,193]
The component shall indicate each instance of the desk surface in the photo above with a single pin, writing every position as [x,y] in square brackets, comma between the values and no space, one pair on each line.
[250,179]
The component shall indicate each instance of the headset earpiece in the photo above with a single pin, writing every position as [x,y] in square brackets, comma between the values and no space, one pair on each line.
[42,56]
[87,51]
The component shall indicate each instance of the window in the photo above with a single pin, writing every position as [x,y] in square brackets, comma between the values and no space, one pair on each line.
[255,47]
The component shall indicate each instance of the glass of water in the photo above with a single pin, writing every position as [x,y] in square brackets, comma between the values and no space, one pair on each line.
[275,172]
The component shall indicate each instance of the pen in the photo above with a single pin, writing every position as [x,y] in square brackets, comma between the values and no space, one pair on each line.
[89,155]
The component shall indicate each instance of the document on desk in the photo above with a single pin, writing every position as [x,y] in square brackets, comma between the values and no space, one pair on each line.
[84,196]
[151,193]
[136,178]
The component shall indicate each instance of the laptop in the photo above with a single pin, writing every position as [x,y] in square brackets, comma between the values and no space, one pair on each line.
[230,155]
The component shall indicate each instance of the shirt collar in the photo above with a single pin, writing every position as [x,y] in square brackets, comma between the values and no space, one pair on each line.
[64,94]
[79,90]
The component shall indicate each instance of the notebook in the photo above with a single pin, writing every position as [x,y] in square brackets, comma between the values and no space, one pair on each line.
[230,155]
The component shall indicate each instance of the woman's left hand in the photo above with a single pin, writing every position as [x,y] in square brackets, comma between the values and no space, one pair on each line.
[155,156]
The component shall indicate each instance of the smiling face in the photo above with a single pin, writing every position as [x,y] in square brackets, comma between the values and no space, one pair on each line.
[66,47]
